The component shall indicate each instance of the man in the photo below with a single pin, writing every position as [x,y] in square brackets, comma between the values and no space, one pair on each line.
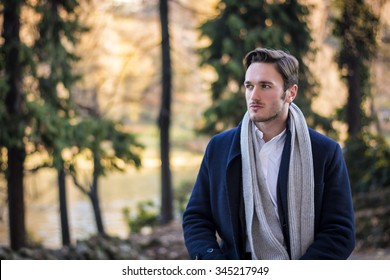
[271,188]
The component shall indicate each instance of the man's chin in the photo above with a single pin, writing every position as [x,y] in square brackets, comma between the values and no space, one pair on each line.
[256,117]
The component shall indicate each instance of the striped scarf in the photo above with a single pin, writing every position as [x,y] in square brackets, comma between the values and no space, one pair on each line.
[264,232]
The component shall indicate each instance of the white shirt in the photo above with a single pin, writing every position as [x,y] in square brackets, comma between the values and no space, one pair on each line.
[270,156]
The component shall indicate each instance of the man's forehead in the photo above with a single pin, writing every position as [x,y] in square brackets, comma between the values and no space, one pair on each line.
[260,72]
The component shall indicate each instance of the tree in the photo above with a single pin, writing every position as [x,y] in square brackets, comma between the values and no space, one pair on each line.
[367,155]
[165,117]
[110,148]
[356,28]
[240,27]
[53,133]
[72,131]
[13,53]
[38,114]
[52,54]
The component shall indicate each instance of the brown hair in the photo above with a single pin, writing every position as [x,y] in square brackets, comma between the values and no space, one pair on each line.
[286,64]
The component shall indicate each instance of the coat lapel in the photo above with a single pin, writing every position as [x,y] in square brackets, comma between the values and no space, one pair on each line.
[235,195]
[282,188]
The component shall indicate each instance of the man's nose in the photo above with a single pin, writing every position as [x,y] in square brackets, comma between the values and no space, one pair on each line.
[256,93]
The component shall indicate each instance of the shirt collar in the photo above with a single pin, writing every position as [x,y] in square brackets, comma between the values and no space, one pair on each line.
[260,134]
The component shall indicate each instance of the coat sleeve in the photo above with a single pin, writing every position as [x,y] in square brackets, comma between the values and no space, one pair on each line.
[335,235]
[198,225]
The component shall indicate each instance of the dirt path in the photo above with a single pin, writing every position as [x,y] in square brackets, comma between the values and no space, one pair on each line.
[371,254]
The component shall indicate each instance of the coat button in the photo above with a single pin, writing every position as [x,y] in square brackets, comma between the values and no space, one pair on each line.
[210,250]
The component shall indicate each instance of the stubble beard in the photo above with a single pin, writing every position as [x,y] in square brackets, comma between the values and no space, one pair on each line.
[264,119]
[268,118]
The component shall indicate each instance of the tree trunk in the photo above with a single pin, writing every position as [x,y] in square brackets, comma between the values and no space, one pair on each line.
[16,150]
[354,114]
[94,196]
[65,232]
[16,210]
[164,118]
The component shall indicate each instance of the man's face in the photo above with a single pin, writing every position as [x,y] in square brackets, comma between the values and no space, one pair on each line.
[266,98]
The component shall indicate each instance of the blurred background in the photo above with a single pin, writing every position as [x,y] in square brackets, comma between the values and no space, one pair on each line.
[107,106]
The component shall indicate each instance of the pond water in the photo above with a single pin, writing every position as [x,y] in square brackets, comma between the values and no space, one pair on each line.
[117,191]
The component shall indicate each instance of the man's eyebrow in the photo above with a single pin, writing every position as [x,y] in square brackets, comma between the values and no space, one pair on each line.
[259,82]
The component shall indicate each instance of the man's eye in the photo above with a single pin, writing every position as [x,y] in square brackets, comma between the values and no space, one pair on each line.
[266,86]
[249,86]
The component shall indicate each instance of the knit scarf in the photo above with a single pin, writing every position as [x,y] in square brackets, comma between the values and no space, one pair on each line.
[264,231]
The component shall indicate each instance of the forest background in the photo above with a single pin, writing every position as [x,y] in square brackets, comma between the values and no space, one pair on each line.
[91,111]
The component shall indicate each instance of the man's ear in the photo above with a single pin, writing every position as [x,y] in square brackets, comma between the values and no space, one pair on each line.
[292,93]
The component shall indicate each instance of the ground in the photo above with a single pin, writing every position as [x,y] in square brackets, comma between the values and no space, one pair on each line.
[162,243]
[166,242]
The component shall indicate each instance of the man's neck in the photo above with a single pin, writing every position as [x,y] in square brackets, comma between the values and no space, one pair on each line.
[270,129]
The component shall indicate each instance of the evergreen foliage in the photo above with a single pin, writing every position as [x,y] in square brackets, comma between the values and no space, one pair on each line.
[113,146]
[368,160]
[110,148]
[240,27]
[14,119]
[38,114]
[356,27]
[366,154]
[59,30]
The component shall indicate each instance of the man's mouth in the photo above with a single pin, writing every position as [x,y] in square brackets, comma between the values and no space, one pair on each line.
[256,106]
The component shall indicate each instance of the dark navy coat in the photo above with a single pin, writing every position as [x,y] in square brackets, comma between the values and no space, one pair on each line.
[214,220]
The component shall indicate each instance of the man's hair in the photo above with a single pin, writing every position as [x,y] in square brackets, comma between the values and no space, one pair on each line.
[286,64]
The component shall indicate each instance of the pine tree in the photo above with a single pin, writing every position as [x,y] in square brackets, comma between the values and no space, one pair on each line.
[356,27]
[367,155]
[36,82]
[240,27]
[58,24]
[59,32]
[13,119]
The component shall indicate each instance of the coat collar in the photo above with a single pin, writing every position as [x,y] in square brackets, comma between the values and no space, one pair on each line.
[235,148]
